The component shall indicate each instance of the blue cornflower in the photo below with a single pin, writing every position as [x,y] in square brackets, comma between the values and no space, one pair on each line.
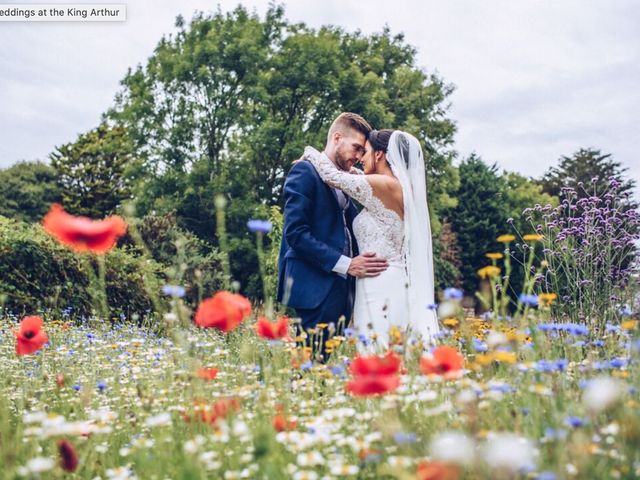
[555,434]
[575,422]
[349,332]
[571,328]
[625,311]
[76,387]
[479,346]
[546,476]
[306,366]
[263,226]
[453,294]
[552,365]
[337,370]
[502,387]
[530,300]
[598,343]
[405,437]
[101,386]
[173,290]
[610,328]
[619,362]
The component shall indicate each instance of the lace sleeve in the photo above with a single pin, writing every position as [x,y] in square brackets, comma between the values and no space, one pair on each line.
[356,186]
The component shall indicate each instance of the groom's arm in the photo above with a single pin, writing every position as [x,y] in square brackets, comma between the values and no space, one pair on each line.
[298,209]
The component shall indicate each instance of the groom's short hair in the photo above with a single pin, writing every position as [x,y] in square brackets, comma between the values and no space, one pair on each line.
[349,120]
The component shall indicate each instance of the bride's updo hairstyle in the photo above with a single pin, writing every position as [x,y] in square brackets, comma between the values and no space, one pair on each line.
[379,139]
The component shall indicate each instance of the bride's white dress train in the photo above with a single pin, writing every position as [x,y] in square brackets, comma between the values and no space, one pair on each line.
[398,297]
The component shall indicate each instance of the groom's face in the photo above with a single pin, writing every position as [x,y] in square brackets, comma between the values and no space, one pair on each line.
[349,149]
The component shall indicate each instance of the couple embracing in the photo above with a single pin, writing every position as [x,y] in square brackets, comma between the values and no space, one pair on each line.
[374,267]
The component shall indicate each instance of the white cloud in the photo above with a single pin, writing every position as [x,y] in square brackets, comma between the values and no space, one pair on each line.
[534,79]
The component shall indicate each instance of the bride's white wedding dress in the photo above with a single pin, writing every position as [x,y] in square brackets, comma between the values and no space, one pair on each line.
[402,296]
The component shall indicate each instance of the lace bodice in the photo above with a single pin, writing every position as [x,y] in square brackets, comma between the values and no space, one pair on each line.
[376,228]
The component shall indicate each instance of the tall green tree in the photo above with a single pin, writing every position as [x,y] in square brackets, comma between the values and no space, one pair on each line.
[520,193]
[588,171]
[27,189]
[92,172]
[226,104]
[479,217]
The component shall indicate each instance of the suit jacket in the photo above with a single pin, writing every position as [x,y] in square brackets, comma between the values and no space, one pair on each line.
[313,238]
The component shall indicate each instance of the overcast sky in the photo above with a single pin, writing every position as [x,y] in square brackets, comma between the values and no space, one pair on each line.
[534,79]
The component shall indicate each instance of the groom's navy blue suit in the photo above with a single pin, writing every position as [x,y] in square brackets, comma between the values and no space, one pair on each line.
[313,240]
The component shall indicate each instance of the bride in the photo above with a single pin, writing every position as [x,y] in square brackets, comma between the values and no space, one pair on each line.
[394,223]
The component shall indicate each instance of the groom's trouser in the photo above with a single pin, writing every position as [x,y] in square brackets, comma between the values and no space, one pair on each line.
[337,304]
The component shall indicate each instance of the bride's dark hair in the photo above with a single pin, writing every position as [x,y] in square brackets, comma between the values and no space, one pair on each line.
[379,139]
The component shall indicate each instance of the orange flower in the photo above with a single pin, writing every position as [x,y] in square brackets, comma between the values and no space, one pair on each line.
[224,311]
[81,233]
[68,456]
[211,413]
[30,337]
[437,471]
[373,375]
[367,385]
[446,361]
[207,373]
[282,423]
[272,331]
[374,365]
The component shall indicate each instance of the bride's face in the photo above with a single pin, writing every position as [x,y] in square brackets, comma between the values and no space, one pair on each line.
[369,164]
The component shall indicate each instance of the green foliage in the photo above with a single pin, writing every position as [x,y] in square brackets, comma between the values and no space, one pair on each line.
[520,193]
[220,108]
[27,189]
[38,274]
[587,171]
[188,260]
[479,217]
[92,171]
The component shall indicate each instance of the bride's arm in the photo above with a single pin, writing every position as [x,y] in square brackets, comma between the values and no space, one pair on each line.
[356,186]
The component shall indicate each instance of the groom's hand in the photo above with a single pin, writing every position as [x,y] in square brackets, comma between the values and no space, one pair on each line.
[367,265]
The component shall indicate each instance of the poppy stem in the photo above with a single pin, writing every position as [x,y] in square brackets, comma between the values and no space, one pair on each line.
[102,279]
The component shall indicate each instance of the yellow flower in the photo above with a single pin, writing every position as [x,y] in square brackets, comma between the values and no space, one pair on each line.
[546,299]
[506,238]
[629,324]
[533,237]
[489,271]
[506,357]
[451,322]
[322,325]
[494,256]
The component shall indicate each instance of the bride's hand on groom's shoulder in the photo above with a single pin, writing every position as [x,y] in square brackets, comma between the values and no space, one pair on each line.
[367,265]
[298,160]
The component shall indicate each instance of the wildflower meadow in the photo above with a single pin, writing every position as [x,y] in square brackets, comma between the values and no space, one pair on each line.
[227,390]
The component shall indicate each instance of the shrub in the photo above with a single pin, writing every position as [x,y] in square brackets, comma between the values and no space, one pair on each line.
[37,274]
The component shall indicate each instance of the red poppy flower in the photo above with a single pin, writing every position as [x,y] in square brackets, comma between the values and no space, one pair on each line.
[60,380]
[207,373]
[81,233]
[211,413]
[366,385]
[224,311]
[68,456]
[30,337]
[282,423]
[437,471]
[446,361]
[272,331]
[374,365]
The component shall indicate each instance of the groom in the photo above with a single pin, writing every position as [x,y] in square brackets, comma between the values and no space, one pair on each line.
[318,255]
